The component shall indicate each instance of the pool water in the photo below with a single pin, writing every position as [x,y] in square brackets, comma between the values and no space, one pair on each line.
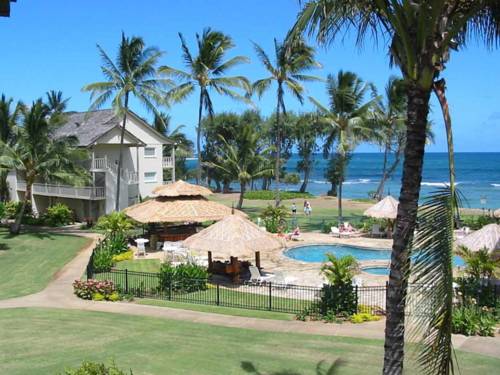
[317,253]
[379,271]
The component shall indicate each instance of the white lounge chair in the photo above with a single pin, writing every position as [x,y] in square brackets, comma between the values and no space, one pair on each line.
[376,231]
[256,277]
[334,231]
[282,280]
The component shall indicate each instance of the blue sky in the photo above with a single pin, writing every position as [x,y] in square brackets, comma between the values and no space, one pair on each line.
[51,44]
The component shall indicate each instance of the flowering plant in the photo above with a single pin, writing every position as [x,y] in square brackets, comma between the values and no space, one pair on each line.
[87,289]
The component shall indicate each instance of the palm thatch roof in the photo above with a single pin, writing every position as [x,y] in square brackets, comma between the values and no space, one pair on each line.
[387,208]
[233,236]
[184,209]
[496,213]
[181,189]
[486,237]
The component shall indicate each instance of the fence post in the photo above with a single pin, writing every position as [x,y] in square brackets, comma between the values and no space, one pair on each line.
[218,294]
[386,289]
[169,288]
[126,280]
[270,297]
[357,299]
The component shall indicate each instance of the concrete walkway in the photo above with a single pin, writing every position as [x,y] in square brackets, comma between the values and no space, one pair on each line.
[59,294]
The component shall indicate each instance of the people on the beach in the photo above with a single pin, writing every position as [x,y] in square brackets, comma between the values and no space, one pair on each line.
[307,208]
[294,234]
[294,209]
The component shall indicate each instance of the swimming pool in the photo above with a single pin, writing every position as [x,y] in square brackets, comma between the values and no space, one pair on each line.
[317,253]
[379,271]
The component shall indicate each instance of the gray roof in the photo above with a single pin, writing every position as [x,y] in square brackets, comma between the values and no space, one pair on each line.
[88,126]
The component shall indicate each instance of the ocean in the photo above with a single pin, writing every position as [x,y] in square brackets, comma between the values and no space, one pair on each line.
[477,176]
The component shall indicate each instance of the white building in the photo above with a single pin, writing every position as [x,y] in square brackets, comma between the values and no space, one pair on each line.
[99,132]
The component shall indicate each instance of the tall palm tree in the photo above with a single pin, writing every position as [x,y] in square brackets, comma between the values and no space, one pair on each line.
[208,71]
[291,61]
[8,121]
[347,119]
[56,102]
[421,35]
[38,155]
[132,74]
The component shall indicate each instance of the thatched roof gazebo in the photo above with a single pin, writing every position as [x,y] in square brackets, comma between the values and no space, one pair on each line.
[387,208]
[486,237]
[181,189]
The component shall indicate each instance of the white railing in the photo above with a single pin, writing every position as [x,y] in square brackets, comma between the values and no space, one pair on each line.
[168,162]
[67,191]
[103,164]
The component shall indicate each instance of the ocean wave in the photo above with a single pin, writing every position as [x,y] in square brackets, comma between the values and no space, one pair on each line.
[358,181]
[438,184]
[495,185]
[323,182]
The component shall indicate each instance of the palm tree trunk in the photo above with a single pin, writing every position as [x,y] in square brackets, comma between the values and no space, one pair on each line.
[339,199]
[15,228]
[307,172]
[439,89]
[242,194]
[278,146]
[198,139]
[120,158]
[380,188]
[417,111]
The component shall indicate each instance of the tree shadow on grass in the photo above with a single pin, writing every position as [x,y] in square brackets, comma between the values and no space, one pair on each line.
[321,369]
[4,246]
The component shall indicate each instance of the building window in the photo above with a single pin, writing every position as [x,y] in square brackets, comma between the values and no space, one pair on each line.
[149,152]
[149,176]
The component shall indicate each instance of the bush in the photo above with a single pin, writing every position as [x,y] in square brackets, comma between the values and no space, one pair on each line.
[477,222]
[94,289]
[269,195]
[106,250]
[58,214]
[127,255]
[102,259]
[275,218]
[12,209]
[2,210]
[472,291]
[364,317]
[115,223]
[186,278]
[471,321]
[94,368]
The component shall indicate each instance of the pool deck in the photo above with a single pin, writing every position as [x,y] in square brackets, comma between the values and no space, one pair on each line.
[308,273]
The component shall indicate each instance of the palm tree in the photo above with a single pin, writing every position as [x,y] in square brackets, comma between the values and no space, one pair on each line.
[421,35]
[133,73]
[292,60]
[8,121]
[347,119]
[306,132]
[207,71]
[55,101]
[38,155]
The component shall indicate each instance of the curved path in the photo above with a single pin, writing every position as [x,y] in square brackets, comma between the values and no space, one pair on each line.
[59,294]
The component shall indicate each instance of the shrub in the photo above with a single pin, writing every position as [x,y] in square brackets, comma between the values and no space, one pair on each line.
[116,243]
[127,255]
[473,291]
[91,288]
[2,210]
[275,218]
[94,368]
[58,214]
[102,260]
[115,222]
[269,195]
[12,209]
[187,277]
[477,222]
[471,321]
[97,297]
[115,296]
[105,251]
[364,317]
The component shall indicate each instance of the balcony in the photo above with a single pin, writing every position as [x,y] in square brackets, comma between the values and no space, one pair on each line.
[104,165]
[168,162]
[65,191]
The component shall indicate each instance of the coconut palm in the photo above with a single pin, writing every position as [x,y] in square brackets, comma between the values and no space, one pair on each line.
[37,155]
[291,61]
[56,102]
[347,119]
[208,71]
[420,35]
[306,132]
[132,74]
[8,121]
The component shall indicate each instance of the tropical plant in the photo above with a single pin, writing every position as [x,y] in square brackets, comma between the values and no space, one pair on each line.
[58,214]
[347,120]
[115,223]
[306,133]
[292,60]
[56,102]
[339,270]
[207,71]
[96,368]
[275,218]
[8,122]
[420,36]
[479,264]
[133,74]
[39,155]
[471,321]
[186,277]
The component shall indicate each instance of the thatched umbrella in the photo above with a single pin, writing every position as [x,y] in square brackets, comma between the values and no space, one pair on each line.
[181,189]
[234,236]
[387,208]
[175,210]
[496,213]
[486,237]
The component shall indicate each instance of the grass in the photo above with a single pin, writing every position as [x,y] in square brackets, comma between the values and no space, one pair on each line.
[270,195]
[217,309]
[29,261]
[46,341]
[140,265]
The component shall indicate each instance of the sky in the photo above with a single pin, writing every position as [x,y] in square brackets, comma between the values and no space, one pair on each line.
[51,45]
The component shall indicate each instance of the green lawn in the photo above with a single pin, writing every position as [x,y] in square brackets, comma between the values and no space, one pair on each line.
[140,265]
[45,341]
[28,261]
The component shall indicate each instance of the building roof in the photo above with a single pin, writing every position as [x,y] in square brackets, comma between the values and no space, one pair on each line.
[88,127]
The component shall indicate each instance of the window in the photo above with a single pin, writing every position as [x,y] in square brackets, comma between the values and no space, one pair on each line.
[149,152]
[149,176]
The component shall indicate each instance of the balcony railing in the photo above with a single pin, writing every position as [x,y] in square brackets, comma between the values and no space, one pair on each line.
[66,191]
[168,162]
[103,164]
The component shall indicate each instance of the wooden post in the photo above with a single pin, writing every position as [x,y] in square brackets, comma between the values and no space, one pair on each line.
[257,259]
[209,260]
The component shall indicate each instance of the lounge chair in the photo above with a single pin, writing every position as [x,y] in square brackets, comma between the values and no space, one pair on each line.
[376,231]
[334,231]
[256,277]
[282,280]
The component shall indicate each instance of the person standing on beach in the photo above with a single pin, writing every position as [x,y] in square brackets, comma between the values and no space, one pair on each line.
[294,209]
